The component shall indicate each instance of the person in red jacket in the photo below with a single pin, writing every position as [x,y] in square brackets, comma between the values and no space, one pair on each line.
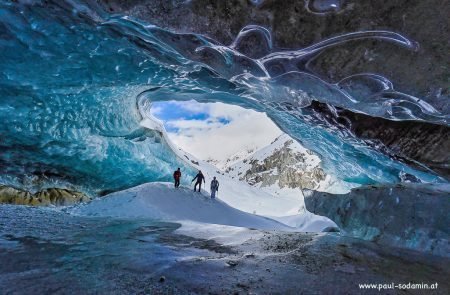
[176,177]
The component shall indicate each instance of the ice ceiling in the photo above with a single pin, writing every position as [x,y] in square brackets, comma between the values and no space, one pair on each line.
[77,84]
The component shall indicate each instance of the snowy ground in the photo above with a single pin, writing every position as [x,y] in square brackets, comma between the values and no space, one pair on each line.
[160,201]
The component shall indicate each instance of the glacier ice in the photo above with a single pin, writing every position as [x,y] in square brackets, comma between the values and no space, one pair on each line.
[392,215]
[76,83]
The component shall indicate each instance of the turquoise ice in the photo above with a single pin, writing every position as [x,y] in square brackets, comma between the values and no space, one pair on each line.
[76,84]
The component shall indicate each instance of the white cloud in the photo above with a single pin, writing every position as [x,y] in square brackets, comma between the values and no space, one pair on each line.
[228,111]
[191,105]
[156,110]
[210,138]
[187,125]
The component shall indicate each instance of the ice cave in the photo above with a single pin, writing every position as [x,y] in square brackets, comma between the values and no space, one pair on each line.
[326,123]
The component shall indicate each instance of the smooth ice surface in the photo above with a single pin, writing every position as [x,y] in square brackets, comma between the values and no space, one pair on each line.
[77,84]
[45,251]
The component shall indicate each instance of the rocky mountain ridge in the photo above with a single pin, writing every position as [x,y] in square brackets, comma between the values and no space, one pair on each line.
[282,164]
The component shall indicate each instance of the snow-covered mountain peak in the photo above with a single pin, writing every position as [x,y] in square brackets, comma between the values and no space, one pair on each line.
[223,164]
[284,163]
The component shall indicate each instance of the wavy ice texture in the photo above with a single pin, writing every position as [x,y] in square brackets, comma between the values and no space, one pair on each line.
[323,6]
[77,85]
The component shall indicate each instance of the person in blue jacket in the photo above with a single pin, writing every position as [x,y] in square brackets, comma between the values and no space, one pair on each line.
[214,187]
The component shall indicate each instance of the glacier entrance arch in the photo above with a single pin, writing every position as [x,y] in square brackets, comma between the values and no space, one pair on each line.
[344,155]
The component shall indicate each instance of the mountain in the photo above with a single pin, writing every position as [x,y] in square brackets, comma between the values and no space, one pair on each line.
[223,164]
[284,164]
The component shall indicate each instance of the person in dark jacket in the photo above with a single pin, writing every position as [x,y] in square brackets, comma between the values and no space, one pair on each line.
[176,177]
[200,177]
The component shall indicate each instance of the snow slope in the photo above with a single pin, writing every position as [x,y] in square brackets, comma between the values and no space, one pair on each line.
[285,205]
[237,194]
[161,201]
[243,196]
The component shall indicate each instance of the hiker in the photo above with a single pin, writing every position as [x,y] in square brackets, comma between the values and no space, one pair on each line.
[214,187]
[176,177]
[199,178]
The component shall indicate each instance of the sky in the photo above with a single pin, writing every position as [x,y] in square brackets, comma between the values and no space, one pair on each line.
[214,130]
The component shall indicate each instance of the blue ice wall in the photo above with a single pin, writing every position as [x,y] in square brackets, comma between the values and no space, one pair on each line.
[76,82]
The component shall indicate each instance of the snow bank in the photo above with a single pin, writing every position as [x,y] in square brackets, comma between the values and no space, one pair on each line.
[306,222]
[162,202]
